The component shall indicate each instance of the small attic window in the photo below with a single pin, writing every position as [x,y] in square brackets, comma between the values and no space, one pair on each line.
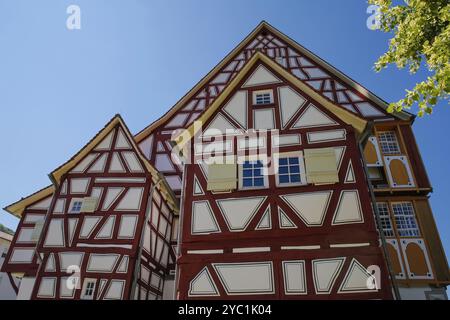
[263,97]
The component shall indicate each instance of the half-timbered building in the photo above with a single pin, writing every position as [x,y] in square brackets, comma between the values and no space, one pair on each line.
[275,177]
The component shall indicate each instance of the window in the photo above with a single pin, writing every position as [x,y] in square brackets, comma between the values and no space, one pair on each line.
[405,219]
[88,289]
[388,142]
[75,206]
[262,97]
[291,170]
[383,211]
[252,175]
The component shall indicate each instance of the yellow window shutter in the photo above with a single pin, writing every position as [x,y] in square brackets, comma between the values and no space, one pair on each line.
[321,167]
[89,204]
[221,177]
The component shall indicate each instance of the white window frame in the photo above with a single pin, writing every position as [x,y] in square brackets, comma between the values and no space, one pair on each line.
[293,154]
[381,139]
[413,217]
[264,161]
[72,202]
[260,92]
[385,217]
[83,291]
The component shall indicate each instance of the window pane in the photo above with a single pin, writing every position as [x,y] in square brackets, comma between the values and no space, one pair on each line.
[293,160]
[295,178]
[282,161]
[284,179]
[259,182]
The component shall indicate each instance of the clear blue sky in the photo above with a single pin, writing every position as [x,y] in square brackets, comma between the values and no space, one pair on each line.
[138,57]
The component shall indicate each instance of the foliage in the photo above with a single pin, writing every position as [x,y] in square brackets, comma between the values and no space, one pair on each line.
[421,37]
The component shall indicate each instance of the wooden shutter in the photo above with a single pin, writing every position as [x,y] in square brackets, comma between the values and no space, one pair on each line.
[89,204]
[320,165]
[221,177]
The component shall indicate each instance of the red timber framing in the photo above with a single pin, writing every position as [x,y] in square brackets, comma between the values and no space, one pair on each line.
[298,61]
[213,261]
[95,221]
[21,258]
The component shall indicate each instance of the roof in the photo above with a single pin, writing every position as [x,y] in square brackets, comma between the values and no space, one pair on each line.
[18,207]
[346,116]
[264,25]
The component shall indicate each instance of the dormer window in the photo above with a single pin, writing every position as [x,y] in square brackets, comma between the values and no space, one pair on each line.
[262,97]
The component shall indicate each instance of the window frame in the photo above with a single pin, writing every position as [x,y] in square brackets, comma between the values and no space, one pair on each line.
[386,216]
[262,92]
[414,219]
[86,282]
[72,203]
[302,173]
[264,168]
[381,134]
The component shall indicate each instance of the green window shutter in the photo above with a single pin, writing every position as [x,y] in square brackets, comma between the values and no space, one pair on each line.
[221,177]
[321,166]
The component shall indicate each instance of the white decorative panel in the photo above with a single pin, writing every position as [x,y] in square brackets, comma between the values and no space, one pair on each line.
[123,266]
[203,219]
[55,234]
[131,200]
[79,185]
[197,187]
[68,259]
[106,230]
[313,117]
[47,288]
[325,136]
[132,162]
[64,290]
[294,277]
[116,164]
[50,265]
[290,103]
[21,255]
[348,209]
[33,218]
[203,285]
[357,279]
[59,206]
[263,119]
[265,222]
[286,140]
[122,141]
[285,222]
[111,195]
[350,174]
[367,110]
[237,108]
[246,278]
[325,272]
[105,144]
[239,212]
[43,204]
[85,163]
[115,290]
[127,226]
[102,262]
[163,163]
[25,235]
[261,76]
[89,224]
[218,126]
[310,207]
[99,165]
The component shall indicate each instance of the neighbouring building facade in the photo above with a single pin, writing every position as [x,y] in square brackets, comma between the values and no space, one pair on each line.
[275,177]
[8,284]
